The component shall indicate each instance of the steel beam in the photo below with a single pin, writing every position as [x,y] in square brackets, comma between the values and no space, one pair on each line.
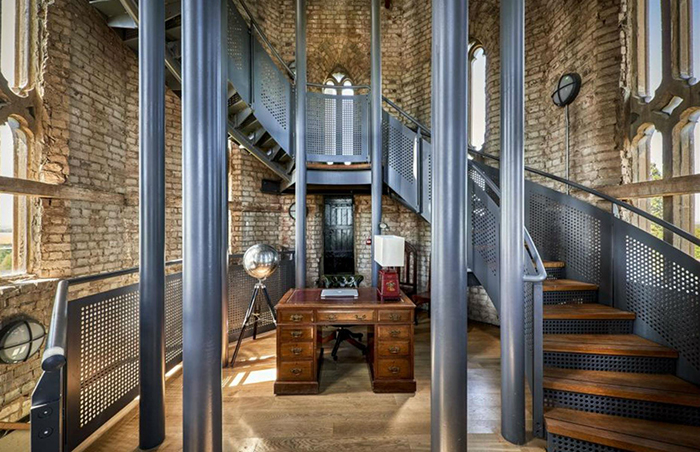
[376,127]
[152,224]
[203,99]
[448,332]
[512,220]
[300,146]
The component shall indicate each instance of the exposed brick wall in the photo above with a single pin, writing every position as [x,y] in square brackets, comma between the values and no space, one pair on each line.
[86,134]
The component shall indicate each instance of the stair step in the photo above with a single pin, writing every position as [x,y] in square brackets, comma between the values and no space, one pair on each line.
[567,285]
[629,434]
[606,344]
[585,311]
[646,387]
[553,264]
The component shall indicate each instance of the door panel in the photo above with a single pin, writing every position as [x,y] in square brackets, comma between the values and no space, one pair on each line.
[339,236]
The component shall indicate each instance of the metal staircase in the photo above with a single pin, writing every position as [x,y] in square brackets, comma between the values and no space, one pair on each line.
[612,336]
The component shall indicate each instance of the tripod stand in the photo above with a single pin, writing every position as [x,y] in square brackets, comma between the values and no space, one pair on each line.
[253,311]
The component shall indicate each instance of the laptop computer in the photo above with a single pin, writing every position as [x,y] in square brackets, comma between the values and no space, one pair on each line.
[339,293]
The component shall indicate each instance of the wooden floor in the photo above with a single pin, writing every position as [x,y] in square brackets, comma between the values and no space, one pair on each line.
[346,416]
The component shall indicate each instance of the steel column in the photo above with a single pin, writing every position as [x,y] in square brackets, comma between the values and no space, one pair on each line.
[203,97]
[223,147]
[376,127]
[448,333]
[300,146]
[152,224]
[512,220]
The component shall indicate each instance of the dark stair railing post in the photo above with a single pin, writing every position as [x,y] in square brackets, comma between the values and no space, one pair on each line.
[376,128]
[203,100]
[300,146]
[152,223]
[448,332]
[512,221]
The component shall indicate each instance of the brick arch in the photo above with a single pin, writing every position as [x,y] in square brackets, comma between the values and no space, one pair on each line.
[353,56]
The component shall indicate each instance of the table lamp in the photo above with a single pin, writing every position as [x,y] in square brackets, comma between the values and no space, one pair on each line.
[389,253]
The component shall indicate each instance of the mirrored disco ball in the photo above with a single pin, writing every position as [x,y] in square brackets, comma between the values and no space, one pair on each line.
[260,261]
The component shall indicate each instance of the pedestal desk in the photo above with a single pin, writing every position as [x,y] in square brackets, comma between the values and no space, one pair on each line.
[302,313]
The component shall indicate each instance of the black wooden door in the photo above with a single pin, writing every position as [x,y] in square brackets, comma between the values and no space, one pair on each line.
[338,236]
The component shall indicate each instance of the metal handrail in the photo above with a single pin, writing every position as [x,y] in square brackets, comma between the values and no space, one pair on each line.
[663,223]
[263,36]
[529,243]
[403,113]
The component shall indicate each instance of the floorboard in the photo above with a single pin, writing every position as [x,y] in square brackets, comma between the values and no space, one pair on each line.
[346,416]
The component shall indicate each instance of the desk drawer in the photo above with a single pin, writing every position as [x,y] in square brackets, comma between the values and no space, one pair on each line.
[296,316]
[296,334]
[390,349]
[296,371]
[297,350]
[394,332]
[402,316]
[395,369]
[350,316]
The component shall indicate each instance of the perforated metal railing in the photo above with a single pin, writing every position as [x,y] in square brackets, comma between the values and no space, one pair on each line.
[634,270]
[484,260]
[337,128]
[101,372]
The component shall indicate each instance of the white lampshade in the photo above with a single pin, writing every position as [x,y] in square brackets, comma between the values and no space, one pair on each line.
[389,250]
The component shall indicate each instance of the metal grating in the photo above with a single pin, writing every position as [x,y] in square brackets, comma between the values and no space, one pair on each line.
[426,179]
[565,233]
[485,233]
[556,273]
[556,443]
[613,363]
[109,366]
[588,326]
[102,373]
[173,320]
[571,297]
[272,96]
[337,128]
[665,295]
[238,40]
[639,409]
[401,148]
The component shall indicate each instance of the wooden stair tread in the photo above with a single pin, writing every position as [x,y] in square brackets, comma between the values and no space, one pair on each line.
[585,311]
[566,285]
[635,435]
[321,166]
[646,387]
[553,264]
[606,344]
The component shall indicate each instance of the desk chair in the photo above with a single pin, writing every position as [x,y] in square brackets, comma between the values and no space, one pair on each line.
[342,333]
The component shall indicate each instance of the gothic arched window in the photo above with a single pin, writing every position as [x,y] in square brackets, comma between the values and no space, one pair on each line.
[477,95]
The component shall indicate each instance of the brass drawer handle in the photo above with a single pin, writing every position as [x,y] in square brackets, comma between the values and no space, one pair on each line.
[395,333]
[296,350]
[394,369]
[296,371]
[332,317]
[296,317]
[361,317]
[296,334]
[394,350]
[394,317]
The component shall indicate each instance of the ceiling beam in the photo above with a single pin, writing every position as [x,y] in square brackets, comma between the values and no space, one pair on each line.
[26,187]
